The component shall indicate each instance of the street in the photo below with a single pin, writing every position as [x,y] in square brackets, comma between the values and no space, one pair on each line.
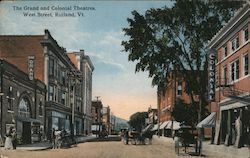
[109,149]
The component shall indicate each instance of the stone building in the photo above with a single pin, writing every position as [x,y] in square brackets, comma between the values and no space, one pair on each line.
[84,64]
[230,79]
[64,108]
[22,103]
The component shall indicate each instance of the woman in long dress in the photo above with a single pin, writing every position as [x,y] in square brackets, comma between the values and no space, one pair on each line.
[8,141]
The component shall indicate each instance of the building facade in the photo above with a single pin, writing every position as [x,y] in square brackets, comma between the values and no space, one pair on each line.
[64,107]
[230,95]
[168,97]
[85,66]
[97,116]
[106,118]
[22,104]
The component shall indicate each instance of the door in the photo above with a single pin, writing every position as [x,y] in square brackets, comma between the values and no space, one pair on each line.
[26,134]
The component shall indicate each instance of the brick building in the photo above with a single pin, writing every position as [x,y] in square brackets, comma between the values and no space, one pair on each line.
[64,81]
[22,104]
[230,94]
[173,91]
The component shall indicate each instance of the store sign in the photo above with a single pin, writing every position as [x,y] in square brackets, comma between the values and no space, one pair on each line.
[31,66]
[211,76]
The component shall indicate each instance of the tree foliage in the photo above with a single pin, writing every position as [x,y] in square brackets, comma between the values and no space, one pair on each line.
[137,120]
[183,112]
[166,40]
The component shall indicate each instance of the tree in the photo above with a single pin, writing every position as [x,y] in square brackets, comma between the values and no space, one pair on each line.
[137,120]
[183,112]
[167,40]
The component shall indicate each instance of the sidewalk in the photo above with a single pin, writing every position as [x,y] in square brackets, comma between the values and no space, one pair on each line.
[47,144]
[214,151]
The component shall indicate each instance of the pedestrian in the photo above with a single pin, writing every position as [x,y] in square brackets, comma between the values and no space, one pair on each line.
[58,139]
[14,139]
[8,140]
[53,138]
[126,136]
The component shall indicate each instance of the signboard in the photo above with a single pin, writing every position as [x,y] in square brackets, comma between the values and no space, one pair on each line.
[31,65]
[211,75]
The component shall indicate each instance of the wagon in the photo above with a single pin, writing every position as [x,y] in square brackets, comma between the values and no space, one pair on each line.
[185,139]
[136,138]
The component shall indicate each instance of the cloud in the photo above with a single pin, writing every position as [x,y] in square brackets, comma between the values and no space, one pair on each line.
[105,66]
[112,38]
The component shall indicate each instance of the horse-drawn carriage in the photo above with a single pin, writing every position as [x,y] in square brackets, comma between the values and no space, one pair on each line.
[185,138]
[135,138]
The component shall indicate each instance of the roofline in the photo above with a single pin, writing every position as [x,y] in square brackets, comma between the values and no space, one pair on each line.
[241,13]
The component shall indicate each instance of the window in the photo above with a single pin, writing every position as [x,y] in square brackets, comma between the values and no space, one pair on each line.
[51,93]
[63,99]
[10,99]
[24,110]
[235,70]
[40,108]
[225,75]
[245,35]
[245,65]
[78,105]
[51,67]
[235,43]
[63,77]
[179,88]
[224,52]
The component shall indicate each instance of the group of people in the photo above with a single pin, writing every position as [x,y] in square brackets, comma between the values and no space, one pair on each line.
[11,139]
[56,138]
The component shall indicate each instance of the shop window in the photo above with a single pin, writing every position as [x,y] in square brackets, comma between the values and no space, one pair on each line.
[235,70]
[245,64]
[235,43]
[245,35]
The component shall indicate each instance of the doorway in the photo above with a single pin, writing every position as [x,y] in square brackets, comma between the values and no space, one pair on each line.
[26,134]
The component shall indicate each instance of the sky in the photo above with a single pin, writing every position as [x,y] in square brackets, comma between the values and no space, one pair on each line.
[99,33]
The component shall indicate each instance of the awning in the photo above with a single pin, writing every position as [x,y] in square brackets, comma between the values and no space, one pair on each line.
[149,127]
[209,121]
[164,124]
[26,119]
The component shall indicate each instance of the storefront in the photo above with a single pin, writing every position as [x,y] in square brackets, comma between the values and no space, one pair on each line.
[235,122]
